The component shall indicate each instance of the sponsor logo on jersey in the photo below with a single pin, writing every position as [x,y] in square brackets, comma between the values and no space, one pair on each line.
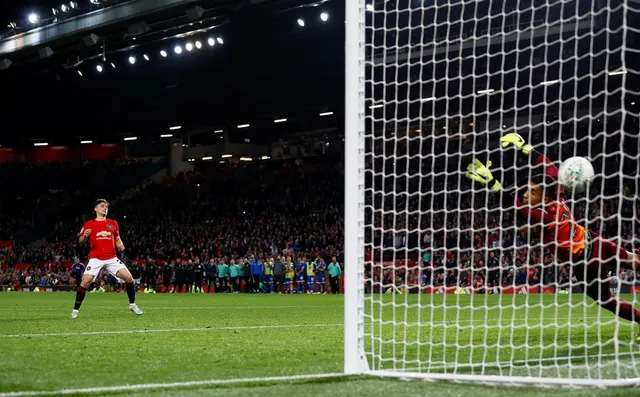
[103,234]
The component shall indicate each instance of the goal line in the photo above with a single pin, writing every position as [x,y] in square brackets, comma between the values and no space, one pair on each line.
[171,385]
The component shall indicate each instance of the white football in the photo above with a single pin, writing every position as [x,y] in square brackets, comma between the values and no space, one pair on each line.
[576,174]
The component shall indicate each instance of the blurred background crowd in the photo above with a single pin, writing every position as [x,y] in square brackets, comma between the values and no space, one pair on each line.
[423,226]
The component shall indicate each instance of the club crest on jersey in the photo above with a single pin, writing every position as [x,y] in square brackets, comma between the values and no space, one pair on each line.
[109,226]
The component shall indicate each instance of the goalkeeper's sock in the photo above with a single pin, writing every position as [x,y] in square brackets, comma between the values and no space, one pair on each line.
[131,292]
[80,294]
[626,310]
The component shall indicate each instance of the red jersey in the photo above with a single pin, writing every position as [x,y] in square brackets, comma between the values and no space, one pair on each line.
[564,232]
[561,234]
[102,238]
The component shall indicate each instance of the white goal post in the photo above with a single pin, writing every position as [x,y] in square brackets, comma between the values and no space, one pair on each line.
[441,281]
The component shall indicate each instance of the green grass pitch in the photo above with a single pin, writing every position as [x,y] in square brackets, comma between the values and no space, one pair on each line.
[184,338]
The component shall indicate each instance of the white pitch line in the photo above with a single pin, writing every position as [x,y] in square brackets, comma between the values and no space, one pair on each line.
[530,362]
[89,307]
[148,331]
[173,385]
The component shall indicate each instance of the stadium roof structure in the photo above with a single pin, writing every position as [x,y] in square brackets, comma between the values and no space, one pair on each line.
[247,62]
[263,69]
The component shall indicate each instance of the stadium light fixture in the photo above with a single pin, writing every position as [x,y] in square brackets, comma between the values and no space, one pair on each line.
[146,57]
[211,41]
[33,18]
[487,91]
[323,114]
[246,159]
[217,131]
[40,144]
[163,53]
[189,46]
[207,158]
[324,17]
[54,11]
[244,125]
[226,156]
[99,68]
[301,22]
[280,121]
[80,73]
[550,82]
[175,127]
[369,7]
[132,60]
[63,8]
[220,40]
[177,49]
[618,72]
[265,158]
[85,142]
[166,135]
[113,65]
[73,4]
[198,45]
[130,138]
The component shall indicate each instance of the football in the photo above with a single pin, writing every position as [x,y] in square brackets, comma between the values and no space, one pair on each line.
[576,174]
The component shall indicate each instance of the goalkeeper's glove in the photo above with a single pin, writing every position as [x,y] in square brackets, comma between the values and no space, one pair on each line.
[517,141]
[480,173]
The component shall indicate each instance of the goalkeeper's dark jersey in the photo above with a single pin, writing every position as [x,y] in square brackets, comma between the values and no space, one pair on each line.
[561,234]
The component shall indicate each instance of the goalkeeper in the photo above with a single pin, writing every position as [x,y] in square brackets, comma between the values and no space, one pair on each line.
[544,210]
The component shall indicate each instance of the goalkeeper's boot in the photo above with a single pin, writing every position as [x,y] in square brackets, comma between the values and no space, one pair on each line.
[74,313]
[134,308]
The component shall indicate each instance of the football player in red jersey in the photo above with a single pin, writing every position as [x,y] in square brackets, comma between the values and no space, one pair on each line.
[104,236]
[543,208]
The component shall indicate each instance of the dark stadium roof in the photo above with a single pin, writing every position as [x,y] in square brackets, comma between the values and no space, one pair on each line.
[269,68]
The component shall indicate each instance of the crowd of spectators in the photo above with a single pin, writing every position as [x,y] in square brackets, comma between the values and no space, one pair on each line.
[449,233]
[34,194]
[288,207]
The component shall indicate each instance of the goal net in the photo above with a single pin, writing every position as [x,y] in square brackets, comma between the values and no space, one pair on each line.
[442,279]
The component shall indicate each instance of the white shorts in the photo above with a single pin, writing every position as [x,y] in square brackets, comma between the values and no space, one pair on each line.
[112,265]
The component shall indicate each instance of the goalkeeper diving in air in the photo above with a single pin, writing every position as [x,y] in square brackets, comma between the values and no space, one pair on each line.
[543,208]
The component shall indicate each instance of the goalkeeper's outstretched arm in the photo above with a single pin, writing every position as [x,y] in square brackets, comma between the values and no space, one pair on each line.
[519,143]
[481,174]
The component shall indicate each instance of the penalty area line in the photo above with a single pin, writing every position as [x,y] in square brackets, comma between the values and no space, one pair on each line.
[172,385]
[148,331]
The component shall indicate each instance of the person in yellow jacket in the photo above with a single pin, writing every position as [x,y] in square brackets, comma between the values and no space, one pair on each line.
[289,274]
[268,276]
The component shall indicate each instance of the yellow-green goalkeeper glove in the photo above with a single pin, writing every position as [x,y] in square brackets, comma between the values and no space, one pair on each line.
[517,141]
[480,173]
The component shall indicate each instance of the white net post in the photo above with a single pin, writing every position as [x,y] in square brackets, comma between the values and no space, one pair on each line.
[354,356]
[454,289]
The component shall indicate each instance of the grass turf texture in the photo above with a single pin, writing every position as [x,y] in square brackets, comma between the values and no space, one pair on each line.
[245,336]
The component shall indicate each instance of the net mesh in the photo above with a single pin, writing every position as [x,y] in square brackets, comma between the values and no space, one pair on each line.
[453,282]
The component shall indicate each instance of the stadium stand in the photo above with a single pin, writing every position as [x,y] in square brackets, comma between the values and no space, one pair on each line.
[294,207]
